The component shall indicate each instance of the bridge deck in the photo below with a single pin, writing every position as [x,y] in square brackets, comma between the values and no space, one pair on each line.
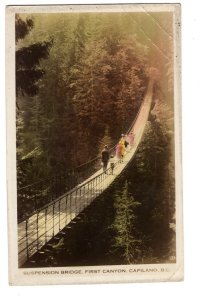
[39,228]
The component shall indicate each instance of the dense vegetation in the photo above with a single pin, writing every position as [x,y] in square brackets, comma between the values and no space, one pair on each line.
[75,74]
[94,73]
[80,79]
[133,222]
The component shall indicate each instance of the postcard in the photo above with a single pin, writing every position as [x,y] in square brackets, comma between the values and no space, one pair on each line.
[94,170]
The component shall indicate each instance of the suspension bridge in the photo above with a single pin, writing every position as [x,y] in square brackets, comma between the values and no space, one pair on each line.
[45,223]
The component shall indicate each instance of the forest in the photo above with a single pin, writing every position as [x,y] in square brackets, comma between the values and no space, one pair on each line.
[134,221]
[80,81]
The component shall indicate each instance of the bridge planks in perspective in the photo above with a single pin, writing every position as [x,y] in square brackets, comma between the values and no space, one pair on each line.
[38,229]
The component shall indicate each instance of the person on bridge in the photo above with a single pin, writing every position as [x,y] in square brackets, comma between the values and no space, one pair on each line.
[122,143]
[105,158]
[126,141]
[118,151]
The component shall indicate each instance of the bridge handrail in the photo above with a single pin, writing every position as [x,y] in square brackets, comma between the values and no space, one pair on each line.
[76,188]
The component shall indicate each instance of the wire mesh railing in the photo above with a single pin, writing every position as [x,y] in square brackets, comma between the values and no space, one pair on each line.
[43,225]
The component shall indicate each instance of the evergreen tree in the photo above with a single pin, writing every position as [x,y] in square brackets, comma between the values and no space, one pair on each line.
[126,238]
[22,28]
[28,70]
[28,74]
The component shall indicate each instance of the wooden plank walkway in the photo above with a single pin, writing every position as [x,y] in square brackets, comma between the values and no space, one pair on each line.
[38,229]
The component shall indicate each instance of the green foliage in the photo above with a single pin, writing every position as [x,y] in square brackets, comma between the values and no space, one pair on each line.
[119,230]
[29,57]
[153,183]
[126,240]
[22,27]
[28,75]
[28,71]
[84,92]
